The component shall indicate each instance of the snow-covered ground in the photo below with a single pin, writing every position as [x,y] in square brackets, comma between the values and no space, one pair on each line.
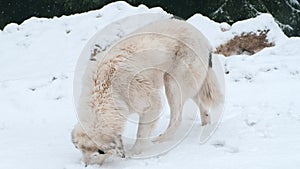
[261,121]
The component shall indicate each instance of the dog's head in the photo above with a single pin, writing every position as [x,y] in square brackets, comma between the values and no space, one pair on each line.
[95,148]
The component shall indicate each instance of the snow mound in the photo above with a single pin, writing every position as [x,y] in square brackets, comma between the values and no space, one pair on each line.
[217,36]
[261,120]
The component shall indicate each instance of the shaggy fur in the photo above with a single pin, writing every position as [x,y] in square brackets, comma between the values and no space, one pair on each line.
[128,78]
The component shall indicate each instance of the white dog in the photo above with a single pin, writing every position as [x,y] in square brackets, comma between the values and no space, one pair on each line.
[128,79]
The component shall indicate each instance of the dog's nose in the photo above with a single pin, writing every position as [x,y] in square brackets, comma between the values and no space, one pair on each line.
[85,165]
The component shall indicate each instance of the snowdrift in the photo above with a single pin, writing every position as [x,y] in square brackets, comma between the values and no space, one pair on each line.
[261,119]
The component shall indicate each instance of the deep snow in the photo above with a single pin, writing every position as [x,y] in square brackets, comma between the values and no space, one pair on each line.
[261,120]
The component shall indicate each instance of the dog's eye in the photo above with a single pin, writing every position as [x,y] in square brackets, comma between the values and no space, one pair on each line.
[100,151]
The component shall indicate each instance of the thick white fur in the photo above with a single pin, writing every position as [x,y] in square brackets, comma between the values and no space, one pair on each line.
[127,80]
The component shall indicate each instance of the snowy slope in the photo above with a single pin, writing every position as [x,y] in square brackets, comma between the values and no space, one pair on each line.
[261,121]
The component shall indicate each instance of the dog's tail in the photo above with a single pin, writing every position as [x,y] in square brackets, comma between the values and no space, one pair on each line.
[211,92]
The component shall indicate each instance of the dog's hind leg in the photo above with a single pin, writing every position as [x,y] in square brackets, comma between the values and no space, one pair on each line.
[209,96]
[205,118]
[175,100]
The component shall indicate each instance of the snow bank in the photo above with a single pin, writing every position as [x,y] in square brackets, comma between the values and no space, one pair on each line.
[37,62]
[58,40]
[214,32]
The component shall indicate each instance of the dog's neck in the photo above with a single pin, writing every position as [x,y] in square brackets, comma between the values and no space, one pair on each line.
[104,109]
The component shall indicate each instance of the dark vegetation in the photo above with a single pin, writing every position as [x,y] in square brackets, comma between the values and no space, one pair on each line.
[286,12]
[246,43]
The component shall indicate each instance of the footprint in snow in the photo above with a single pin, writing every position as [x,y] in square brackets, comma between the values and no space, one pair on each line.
[226,148]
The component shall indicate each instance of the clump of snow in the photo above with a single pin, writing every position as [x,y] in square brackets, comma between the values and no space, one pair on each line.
[261,119]
[224,26]
[294,2]
[11,28]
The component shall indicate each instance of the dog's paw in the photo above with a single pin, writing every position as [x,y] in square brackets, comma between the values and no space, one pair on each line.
[167,135]
[134,152]
[158,139]
[161,138]
[205,123]
[205,120]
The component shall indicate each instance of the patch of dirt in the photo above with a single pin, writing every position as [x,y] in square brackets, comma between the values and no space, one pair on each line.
[246,43]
